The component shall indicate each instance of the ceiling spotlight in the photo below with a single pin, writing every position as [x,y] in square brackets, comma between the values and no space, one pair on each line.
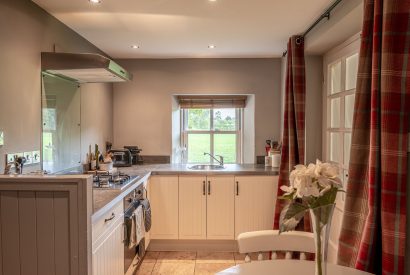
[212,46]
[135,46]
[212,0]
[95,1]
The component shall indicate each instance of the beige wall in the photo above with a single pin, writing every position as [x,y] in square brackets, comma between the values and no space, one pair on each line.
[143,107]
[26,30]
[314,84]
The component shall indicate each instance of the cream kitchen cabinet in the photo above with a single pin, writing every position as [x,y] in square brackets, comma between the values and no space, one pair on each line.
[255,198]
[192,207]
[206,207]
[220,208]
[108,246]
[164,206]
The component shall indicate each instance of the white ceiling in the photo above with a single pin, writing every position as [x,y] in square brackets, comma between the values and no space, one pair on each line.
[185,28]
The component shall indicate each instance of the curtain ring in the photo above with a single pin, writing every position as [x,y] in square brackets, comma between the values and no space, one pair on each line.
[299,40]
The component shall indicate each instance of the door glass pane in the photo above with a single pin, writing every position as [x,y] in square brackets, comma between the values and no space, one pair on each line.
[225,145]
[336,77]
[225,119]
[349,108]
[198,144]
[351,71]
[346,148]
[199,119]
[335,113]
[335,145]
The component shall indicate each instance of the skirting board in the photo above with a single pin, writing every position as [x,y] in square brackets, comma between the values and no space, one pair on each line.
[193,245]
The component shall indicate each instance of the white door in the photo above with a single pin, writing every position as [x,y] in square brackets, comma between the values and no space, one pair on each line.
[255,198]
[108,255]
[220,208]
[192,207]
[340,70]
[164,206]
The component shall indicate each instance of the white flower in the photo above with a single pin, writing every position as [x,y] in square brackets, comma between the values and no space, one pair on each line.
[305,187]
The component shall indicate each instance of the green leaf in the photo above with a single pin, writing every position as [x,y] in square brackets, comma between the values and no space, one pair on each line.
[327,198]
[291,216]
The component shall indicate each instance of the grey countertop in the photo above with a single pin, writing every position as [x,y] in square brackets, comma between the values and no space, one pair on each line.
[183,169]
[105,199]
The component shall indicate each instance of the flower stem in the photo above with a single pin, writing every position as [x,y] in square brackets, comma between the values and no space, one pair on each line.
[318,246]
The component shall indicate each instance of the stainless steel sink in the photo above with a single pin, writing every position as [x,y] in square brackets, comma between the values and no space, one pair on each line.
[207,167]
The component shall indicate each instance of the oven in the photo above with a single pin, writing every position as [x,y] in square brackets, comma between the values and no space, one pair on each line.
[131,202]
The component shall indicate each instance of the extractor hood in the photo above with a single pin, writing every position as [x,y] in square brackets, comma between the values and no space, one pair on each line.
[83,67]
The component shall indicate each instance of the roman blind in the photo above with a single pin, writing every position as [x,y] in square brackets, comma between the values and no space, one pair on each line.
[211,101]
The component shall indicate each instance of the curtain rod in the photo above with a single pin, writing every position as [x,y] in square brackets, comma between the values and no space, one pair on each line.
[324,15]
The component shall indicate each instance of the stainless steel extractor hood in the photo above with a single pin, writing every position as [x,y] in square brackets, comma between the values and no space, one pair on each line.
[83,67]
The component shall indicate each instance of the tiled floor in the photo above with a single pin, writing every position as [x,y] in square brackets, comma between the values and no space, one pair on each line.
[188,263]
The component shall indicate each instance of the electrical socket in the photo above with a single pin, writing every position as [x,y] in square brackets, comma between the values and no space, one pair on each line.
[29,157]
[36,157]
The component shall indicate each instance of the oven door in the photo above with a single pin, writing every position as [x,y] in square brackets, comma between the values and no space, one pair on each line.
[130,251]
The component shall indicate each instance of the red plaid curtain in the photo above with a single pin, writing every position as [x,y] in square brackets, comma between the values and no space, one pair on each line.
[373,234]
[293,139]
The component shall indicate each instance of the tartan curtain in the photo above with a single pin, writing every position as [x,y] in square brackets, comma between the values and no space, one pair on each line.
[293,139]
[373,234]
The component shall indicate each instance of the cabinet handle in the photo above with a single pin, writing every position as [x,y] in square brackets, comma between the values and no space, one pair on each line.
[203,188]
[110,218]
[237,188]
[209,187]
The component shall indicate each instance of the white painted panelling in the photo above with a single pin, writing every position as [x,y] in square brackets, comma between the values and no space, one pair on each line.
[164,205]
[220,208]
[108,255]
[192,207]
[255,198]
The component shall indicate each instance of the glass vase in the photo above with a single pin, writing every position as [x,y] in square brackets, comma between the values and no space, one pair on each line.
[321,218]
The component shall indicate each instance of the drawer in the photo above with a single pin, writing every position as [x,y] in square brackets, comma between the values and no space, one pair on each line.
[107,221]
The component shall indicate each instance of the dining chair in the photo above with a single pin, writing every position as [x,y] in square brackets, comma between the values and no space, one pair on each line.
[271,241]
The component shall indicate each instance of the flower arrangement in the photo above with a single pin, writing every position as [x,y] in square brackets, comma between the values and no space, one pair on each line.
[313,187]
[310,187]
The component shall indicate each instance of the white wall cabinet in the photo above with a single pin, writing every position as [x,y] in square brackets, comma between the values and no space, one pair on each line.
[255,198]
[164,205]
[220,208]
[192,207]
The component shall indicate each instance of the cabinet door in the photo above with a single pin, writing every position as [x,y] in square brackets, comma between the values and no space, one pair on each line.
[164,205]
[255,198]
[220,208]
[108,255]
[192,207]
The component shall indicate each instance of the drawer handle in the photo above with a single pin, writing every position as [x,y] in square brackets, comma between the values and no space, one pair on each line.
[209,187]
[110,218]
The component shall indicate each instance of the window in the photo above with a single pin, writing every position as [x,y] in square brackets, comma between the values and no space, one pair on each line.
[212,130]
[340,97]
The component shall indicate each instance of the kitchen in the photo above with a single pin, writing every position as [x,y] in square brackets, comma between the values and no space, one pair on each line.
[193,122]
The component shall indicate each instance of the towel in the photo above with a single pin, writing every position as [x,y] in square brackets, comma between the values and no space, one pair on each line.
[139,224]
[147,214]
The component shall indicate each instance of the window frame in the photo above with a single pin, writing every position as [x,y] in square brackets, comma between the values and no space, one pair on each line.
[238,132]
[338,54]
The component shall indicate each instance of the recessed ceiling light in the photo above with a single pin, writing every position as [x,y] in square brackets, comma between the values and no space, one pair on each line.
[95,1]
[135,46]
[212,46]
[212,0]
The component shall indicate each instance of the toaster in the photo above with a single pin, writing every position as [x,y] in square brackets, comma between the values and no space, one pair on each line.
[121,157]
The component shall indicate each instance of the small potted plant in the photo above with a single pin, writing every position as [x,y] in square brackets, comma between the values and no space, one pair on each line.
[312,188]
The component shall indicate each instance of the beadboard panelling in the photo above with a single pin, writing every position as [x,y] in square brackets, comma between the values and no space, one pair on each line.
[41,224]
